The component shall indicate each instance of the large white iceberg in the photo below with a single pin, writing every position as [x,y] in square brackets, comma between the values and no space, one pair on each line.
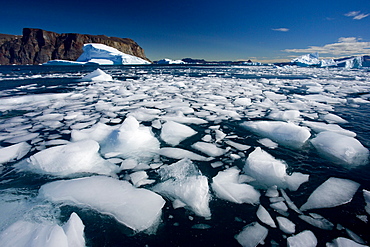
[307,60]
[106,55]
[170,61]
[286,134]
[138,209]
[72,158]
[24,233]
[340,149]
[333,192]
[100,54]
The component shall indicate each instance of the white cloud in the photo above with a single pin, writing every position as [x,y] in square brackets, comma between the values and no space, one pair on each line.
[347,46]
[282,29]
[357,15]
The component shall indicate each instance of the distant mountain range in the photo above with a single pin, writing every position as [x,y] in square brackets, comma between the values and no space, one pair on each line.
[37,46]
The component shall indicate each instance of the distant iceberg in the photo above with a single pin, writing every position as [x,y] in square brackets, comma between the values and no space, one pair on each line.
[101,55]
[311,59]
[169,61]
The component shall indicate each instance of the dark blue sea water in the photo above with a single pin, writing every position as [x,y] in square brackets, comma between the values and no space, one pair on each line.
[344,93]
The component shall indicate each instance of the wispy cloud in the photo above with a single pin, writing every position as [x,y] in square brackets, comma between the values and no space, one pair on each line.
[357,15]
[345,46]
[282,29]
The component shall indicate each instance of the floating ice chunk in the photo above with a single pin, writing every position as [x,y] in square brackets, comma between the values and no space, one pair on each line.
[63,62]
[344,242]
[242,102]
[295,180]
[318,222]
[303,239]
[279,206]
[209,149]
[355,237]
[97,132]
[131,141]
[252,235]
[22,138]
[264,216]
[24,233]
[320,127]
[69,159]
[272,191]
[331,118]
[74,230]
[226,185]
[178,153]
[14,152]
[184,182]
[138,209]
[289,202]
[173,133]
[288,115]
[193,191]
[340,149]
[367,200]
[268,143]
[140,178]
[201,226]
[286,225]
[333,192]
[286,134]
[97,75]
[265,168]
[239,146]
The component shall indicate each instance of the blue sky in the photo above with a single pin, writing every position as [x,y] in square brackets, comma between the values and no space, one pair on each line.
[271,30]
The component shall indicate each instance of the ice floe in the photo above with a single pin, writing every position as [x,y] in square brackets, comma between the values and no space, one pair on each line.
[69,159]
[340,149]
[333,192]
[286,134]
[303,239]
[226,185]
[97,75]
[138,209]
[14,152]
[173,133]
[252,235]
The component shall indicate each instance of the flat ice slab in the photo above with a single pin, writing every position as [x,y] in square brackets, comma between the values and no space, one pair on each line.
[97,75]
[138,209]
[14,152]
[286,134]
[340,149]
[72,158]
[333,192]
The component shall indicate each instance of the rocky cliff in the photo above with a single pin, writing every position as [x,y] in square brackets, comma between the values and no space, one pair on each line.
[38,46]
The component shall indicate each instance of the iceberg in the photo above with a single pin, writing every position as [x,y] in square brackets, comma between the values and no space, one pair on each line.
[340,149]
[106,55]
[24,233]
[286,134]
[69,159]
[59,62]
[14,152]
[138,209]
[170,61]
[252,235]
[306,60]
[226,186]
[333,192]
[328,63]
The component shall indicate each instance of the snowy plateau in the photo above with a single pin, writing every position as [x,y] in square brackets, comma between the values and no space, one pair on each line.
[183,155]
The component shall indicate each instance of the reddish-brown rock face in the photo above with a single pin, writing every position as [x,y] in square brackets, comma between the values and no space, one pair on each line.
[38,46]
